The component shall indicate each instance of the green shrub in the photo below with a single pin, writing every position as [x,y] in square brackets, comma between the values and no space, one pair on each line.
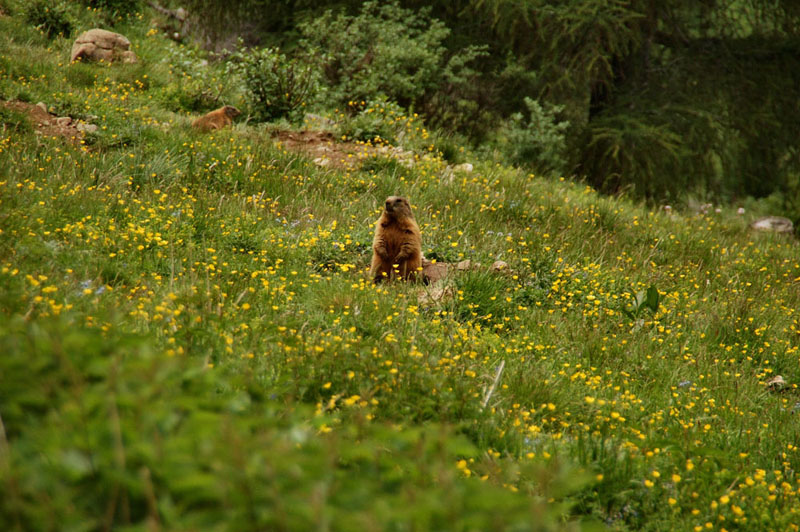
[191,97]
[378,120]
[539,141]
[201,85]
[385,50]
[276,86]
[51,18]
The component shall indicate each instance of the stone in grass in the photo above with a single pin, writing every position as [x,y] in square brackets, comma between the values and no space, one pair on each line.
[436,271]
[87,128]
[776,383]
[102,45]
[438,293]
[499,265]
[777,224]
[433,271]
[467,264]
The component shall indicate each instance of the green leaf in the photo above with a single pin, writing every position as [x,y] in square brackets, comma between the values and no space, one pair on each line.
[653,298]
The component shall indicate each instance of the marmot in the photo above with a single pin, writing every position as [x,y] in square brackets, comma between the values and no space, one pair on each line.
[216,119]
[397,247]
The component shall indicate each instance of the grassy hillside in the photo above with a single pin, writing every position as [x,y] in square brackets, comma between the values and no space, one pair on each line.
[190,340]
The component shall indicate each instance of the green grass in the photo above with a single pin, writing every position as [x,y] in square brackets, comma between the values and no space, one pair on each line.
[191,342]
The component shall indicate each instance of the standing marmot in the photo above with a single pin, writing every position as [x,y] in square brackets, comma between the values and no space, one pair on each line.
[397,247]
[216,119]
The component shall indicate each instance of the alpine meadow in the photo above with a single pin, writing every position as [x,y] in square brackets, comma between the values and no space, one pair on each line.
[599,338]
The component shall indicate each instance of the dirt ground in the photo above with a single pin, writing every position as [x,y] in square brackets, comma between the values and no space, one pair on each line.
[44,122]
[326,149]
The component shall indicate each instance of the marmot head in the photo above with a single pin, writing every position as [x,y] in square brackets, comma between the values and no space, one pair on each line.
[397,206]
[231,111]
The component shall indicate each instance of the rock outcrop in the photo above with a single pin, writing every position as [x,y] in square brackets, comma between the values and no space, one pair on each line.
[777,224]
[102,45]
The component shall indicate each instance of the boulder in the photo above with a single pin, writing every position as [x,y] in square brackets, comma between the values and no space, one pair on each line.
[777,224]
[87,128]
[438,293]
[102,45]
[499,265]
[433,271]
[467,264]
[776,383]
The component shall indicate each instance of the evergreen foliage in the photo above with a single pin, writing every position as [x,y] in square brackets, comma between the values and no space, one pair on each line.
[663,99]
[538,140]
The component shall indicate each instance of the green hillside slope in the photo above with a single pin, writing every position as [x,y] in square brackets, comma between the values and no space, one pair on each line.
[190,340]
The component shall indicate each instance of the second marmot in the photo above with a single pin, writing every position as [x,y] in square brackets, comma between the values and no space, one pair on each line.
[397,246]
[218,119]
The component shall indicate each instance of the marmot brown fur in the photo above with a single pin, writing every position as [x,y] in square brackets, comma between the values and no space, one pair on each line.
[216,119]
[397,247]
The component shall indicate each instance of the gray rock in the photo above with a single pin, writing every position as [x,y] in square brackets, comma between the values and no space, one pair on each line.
[467,264]
[776,383]
[87,128]
[63,121]
[437,293]
[499,265]
[102,45]
[777,224]
[434,271]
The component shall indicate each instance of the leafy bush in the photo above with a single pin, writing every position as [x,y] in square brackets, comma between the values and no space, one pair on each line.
[202,85]
[277,86]
[192,97]
[378,120]
[539,141]
[51,18]
[385,50]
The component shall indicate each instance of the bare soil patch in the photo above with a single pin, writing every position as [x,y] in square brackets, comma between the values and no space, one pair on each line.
[325,149]
[45,123]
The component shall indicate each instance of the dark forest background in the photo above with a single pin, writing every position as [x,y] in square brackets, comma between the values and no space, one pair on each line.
[656,98]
